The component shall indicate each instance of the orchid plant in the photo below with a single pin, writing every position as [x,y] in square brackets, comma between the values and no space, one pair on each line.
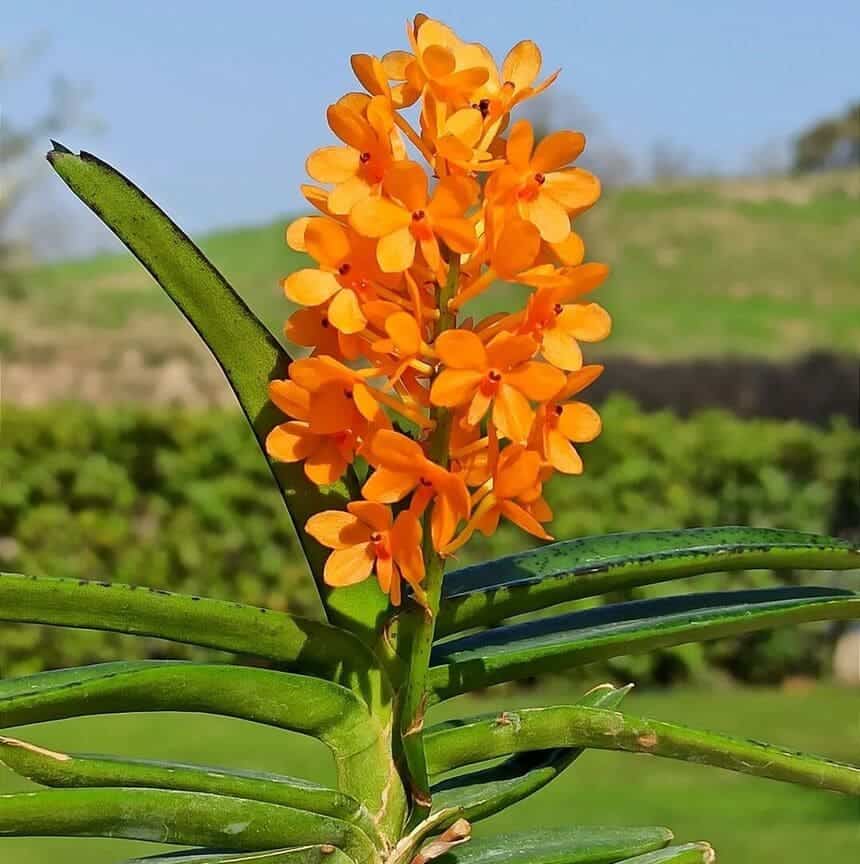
[406,426]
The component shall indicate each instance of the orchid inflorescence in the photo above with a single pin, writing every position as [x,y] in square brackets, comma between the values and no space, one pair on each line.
[465,420]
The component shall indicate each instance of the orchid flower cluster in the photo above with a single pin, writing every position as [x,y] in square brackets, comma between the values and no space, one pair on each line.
[459,421]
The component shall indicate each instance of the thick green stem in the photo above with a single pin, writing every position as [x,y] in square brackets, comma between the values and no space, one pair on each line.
[418,623]
[575,726]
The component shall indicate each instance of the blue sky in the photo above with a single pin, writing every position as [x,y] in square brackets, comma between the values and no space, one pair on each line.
[212,106]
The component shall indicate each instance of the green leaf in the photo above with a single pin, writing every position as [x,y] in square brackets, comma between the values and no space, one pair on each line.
[689,853]
[180,818]
[575,844]
[246,351]
[73,771]
[451,746]
[310,706]
[558,643]
[487,593]
[480,794]
[299,855]
[305,645]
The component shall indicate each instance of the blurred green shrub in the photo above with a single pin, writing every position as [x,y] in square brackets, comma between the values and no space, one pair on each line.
[176,500]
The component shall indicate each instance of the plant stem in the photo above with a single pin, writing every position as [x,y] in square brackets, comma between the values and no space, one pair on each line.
[418,624]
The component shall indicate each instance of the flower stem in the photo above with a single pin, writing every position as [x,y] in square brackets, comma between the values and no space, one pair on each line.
[418,623]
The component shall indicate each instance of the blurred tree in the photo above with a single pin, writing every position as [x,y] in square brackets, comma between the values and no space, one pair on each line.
[830,144]
[21,146]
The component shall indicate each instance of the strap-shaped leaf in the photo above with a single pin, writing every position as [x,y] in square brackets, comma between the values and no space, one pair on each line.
[298,855]
[453,746]
[558,643]
[480,794]
[484,594]
[180,818]
[300,643]
[574,844]
[247,352]
[75,771]
[310,706]
[689,853]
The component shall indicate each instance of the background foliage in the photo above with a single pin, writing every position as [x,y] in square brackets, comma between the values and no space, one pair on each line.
[181,500]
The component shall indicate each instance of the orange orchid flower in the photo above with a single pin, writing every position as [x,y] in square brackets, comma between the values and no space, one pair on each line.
[411,217]
[539,184]
[514,491]
[402,467]
[560,425]
[501,375]
[371,144]
[366,539]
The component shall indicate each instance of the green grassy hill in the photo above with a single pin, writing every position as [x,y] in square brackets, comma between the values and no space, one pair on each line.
[759,267]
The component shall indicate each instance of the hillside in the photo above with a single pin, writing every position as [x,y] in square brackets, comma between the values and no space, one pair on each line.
[765,268]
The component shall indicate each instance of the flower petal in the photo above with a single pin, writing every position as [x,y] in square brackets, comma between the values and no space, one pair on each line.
[548,216]
[404,332]
[571,250]
[522,65]
[407,182]
[346,195]
[521,140]
[376,217]
[523,519]
[337,529]
[331,409]
[350,127]
[508,350]
[397,452]
[327,241]
[454,387]
[377,516]
[561,453]
[588,322]
[535,380]
[396,251]
[310,287]
[512,414]
[557,150]
[345,312]
[291,442]
[574,189]
[387,486]
[349,566]
[293,400]
[466,125]
[333,164]
[517,471]
[561,349]
[461,349]
[579,422]
[326,464]
[517,247]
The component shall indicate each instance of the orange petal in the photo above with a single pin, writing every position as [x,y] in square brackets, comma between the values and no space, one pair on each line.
[396,251]
[395,62]
[331,409]
[453,195]
[562,453]
[404,332]
[438,61]
[345,312]
[522,65]
[337,529]
[366,402]
[376,217]
[579,422]
[571,250]
[507,350]
[326,464]
[548,216]
[557,150]
[291,442]
[397,452]
[512,414]
[370,73]
[588,322]
[523,519]
[535,380]
[517,247]
[407,182]
[521,139]
[346,195]
[478,407]
[466,125]
[454,387]
[461,349]
[582,279]
[573,189]
[517,471]
[457,234]
[296,233]
[290,398]
[387,486]
[443,523]
[406,544]
[327,241]
[350,127]
[561,349]
[377,516]
[310,287]
[333,164]
[349,566]
[578,381]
